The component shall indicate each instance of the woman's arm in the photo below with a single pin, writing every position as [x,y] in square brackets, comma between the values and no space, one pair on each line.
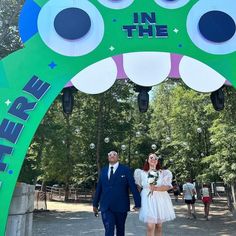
[162,188]
[139,188]
[165,183]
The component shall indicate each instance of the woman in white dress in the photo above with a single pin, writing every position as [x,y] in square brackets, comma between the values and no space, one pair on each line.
[156,205]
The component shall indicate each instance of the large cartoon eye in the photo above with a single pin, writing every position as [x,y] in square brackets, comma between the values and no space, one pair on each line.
[172,4]
[116,4]
[70,28]
[211,26]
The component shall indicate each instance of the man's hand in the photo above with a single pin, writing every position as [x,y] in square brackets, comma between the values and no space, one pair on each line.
[95,210]
[135,208]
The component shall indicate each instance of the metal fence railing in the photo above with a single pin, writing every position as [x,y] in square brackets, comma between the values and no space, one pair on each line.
[58,194]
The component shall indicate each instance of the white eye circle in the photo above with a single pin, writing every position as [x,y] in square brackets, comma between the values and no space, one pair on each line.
[172,4]
[70,27]
[211,26]
[116,4]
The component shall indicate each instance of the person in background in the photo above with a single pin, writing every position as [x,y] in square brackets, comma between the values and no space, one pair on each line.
[176,191]
[189,192]
[112,195]
[206,199]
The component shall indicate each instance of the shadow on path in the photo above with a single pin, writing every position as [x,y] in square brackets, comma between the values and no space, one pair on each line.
[68,223]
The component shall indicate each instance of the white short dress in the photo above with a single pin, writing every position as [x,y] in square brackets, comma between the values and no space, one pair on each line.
[155,207]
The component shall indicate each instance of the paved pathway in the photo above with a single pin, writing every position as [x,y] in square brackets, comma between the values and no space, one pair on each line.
[78,220]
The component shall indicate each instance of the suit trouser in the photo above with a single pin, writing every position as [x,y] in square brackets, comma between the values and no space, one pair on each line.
[113,219]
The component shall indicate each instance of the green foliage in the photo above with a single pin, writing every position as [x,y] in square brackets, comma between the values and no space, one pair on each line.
[9,37]
[223,137]
[178,114]
[62,142]
[192,139]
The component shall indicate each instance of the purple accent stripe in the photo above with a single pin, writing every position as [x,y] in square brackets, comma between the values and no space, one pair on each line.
[175,60]
[120,67]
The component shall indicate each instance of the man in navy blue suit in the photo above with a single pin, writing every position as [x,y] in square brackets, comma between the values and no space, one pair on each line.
[112,195]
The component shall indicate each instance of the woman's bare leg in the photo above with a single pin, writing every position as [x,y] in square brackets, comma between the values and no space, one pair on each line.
[193,211]
[150,229]
[188,210]
[158,230]
[207,210]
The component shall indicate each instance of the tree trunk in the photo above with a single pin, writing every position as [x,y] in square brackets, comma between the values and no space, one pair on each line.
[67,192]
[68,158]
[99,133]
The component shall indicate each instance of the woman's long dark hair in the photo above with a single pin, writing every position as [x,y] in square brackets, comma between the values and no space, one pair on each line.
[146,164]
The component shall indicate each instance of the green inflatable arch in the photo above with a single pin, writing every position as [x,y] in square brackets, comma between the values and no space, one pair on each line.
[92,43]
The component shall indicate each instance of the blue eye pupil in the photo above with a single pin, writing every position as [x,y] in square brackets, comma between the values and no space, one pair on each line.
[72,23]
[217,26]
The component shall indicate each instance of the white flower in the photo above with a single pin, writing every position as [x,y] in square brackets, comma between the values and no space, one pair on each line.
[153,173]
[151,180]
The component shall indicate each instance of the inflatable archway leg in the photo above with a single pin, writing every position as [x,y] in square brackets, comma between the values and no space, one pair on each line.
[31,78]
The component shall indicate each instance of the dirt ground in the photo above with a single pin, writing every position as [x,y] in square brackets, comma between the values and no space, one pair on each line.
[73,207]
[68,219]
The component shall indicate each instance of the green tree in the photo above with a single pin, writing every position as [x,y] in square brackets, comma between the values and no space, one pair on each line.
[9,36]
[63,141]
[178,113]
[222,162]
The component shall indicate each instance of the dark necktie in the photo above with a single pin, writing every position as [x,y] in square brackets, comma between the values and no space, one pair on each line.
[111,172]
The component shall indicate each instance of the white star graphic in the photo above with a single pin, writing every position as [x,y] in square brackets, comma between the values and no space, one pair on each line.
[176,30]
[8,102]
[111,48]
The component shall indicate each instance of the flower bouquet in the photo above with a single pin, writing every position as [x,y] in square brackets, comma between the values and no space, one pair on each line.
[153,176]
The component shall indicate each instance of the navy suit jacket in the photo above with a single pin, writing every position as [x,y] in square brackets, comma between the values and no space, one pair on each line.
[113,194]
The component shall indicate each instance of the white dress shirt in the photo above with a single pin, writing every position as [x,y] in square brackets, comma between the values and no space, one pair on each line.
[115,166]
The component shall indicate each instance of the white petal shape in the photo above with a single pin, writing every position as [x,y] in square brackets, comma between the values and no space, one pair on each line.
[96,78]
[120,4]
[147,68]
[171,4]
[200,76]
